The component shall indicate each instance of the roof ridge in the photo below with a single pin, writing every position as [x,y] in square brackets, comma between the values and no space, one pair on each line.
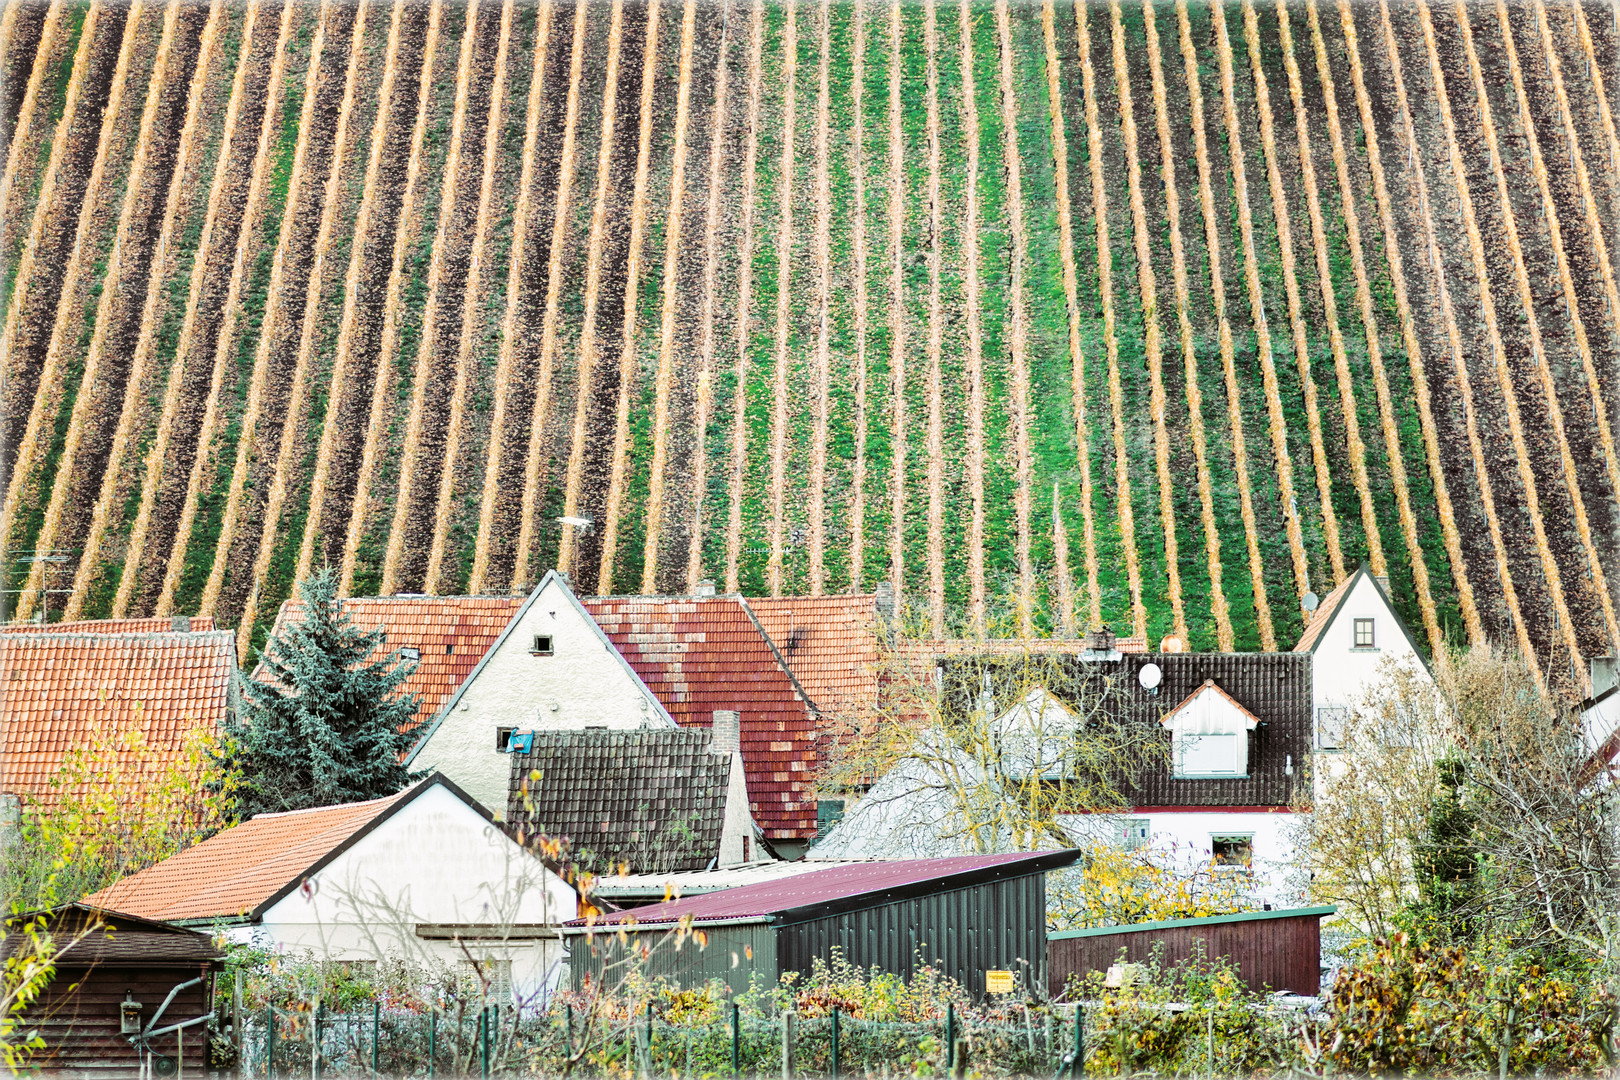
[144,635]
[331,806]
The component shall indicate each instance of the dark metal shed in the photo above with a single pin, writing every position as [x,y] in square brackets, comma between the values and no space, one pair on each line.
[107,962]
[964,915]
[1273,950]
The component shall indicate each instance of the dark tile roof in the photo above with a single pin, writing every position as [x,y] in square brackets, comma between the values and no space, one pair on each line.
[844,888]
[1275,687]
[100,938]
[698,654]
[653,798]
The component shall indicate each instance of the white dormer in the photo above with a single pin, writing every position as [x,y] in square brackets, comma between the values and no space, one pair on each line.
[1209,735]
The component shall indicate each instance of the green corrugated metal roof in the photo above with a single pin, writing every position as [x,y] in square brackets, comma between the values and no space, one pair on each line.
[1209,920]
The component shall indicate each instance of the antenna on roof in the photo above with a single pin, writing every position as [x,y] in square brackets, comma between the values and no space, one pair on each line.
[1310,601]
[1150,676]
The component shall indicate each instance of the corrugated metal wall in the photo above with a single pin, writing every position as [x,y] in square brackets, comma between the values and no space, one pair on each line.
[1276,954]
[965,932]
[734,953]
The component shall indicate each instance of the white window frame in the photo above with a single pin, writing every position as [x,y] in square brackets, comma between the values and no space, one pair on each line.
[1331,714]
[1372,633]
[1231,868]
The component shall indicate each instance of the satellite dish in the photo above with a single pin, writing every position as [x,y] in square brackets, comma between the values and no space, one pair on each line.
[1172,644]
[1310,601]
[1150,676]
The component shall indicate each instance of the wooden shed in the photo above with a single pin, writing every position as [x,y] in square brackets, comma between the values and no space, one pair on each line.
[164,972]
[1272,950]
[964,916]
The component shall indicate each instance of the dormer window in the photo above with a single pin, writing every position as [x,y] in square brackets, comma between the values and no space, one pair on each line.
[1209,736]
[1364,634]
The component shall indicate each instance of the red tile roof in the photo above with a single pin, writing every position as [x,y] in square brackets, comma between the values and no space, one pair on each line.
[60,689]
[196,625]
[1324,615]
[452,632]
[699,654]
[238,871]
[831,645]
[878,879]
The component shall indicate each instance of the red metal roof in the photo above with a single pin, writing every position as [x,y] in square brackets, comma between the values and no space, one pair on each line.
[846,882]
[698,654]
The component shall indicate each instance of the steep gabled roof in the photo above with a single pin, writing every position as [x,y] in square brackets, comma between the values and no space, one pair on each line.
[242,871]
[193,624]
[1210,686]
[698,654]
[654,798]
[1330,607]
[59,690]
[452,633]
[830,643]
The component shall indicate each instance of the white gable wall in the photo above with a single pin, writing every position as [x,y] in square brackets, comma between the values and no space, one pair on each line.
[1341,673]
[584,683]
[435,861]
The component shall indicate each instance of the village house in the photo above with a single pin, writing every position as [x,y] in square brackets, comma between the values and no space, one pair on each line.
[1236,729]
[90,686]
[492,666]
[661,800]
[426,874]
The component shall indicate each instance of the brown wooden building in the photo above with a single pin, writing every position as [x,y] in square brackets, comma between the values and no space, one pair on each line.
[1272,950]
[106,960]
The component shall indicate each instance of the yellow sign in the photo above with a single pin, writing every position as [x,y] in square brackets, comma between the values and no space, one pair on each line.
[1000,982]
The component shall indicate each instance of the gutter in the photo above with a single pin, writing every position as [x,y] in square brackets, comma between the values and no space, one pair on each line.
[638,927]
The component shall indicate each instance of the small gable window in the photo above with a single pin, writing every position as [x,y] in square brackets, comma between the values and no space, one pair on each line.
[1364,634]
[1209,735]
[542,645]
[503,739]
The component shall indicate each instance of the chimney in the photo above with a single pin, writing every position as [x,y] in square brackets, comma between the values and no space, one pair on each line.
[181,624]
[726,737]
[1100,639]
[705,588]
[885,600]
[1383,582]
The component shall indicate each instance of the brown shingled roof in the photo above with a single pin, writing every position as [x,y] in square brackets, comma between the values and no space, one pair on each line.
[241,870]
[59,688]
[452,633]
[195,624]
[699,654]
[830,643]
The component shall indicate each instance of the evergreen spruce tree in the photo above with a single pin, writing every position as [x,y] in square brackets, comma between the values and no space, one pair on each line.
[325,725]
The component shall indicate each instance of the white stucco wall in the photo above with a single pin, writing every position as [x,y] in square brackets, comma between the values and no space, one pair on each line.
[1184,837]
[584,683]
[435,861]
[1342,673]
[738,844]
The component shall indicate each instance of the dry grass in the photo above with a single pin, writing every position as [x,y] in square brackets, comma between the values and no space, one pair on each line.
[936,331]
[975,335]
[784,297]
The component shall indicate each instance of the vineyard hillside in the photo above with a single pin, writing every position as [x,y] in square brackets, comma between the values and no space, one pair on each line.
[1159,313]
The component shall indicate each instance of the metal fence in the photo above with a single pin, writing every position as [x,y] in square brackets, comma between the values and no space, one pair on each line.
[310,1042]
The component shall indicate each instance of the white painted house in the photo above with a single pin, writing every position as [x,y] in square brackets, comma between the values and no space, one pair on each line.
[425,875]
[1355,639]
[551,669]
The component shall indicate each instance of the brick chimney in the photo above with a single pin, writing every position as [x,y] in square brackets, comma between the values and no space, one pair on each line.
[180,624]
[705,588]
[726,737]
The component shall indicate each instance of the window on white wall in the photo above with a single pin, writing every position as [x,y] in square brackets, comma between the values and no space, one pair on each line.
[542,645]
[1232,851]
[1331,721]
[1209,735]
[1364,634]
[1136,833]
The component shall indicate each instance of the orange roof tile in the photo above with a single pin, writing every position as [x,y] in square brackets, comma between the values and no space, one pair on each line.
[830,643]
[196,624]
[699,654]
[1324,615]
[452,632]
[59,688]
[239,871]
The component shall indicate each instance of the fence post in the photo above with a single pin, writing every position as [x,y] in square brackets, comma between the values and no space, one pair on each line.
[1210,1045]
[376,1032]
[950,1034]
[1077,1067]
[568,1031]
[433,1034]
[835,1043]
[270,1042]
[644,1047]
[236,1025]
[959,1057]
[787,1045]
[315,1040]
[483,1042]
[736,1039]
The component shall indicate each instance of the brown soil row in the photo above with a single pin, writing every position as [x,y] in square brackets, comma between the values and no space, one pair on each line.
[144,218]
[364,293]
[37,44]
[191,402]
[433,394]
